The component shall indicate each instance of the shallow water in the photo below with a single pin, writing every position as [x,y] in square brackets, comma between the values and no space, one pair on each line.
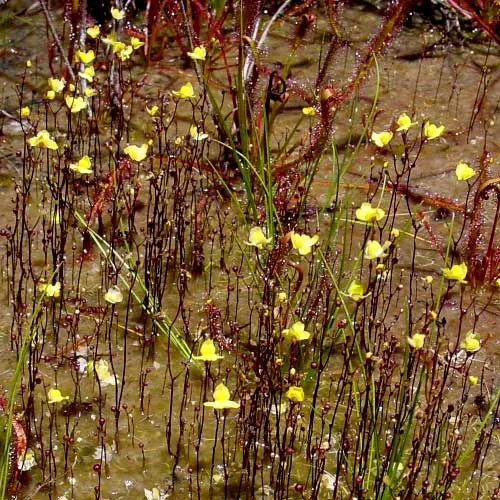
[442,88]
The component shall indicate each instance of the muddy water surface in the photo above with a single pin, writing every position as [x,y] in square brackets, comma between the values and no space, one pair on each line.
[444,84]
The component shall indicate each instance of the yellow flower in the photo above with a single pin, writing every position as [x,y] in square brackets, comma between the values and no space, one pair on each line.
[282,296]
[56,85]
[464,172]
[185,92]
[87,74]
[471,343]
[90,92]
[303,243]
[51,290]
[85,57]
[199,53]
[109,39]
[295,394]
[26,461]
[29,64]
[102,371]
[416,341]
[297,332]
[55,396]
[356,291]
[457,272]
[367,213]
[381,139]
[113,295]
[153,111]
[222,399]
[208,352]
[125,53]
[84,165]
[117,13]
[309,111]
[117,46]
[24,112]
[43,140]
[135,43]
[404,123]
[257,238]
[473,380]
[136,153]
[374,250]
[432,131]
[50,95]
[197,136]
[75,104]
[93,31]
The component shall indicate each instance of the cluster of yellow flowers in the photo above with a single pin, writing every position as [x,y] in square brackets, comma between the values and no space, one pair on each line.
[431,131]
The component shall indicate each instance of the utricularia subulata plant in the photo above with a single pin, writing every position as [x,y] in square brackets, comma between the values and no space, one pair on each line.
[210,289]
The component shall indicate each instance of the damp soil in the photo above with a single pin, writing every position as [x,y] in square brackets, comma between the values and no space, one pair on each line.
[420,73]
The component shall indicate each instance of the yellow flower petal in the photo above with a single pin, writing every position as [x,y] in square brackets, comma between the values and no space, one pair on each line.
[135,43]
[93,31]
[381,139]
[56,85]
[303,243]
[309,111]
[199,53]
[257,238]
[75,104]
[432,131]
[85,57]
[208,352]
[43,140]
[101,368]
[84,165]
[125,53]
[464,172]
[356,291]
[295,394]
[404,123]
[367,213]
[457,272]
[374,250]
[153,111]
[136,153]
[471,343]
[113,295]
[24,112]
[221,399]
[197,136]
[117,13]
[296,332]
[185,92]
[51,290]
[55,396]
[416,341]
[87,74]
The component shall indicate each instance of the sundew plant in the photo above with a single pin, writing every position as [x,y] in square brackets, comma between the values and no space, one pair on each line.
[248,250]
